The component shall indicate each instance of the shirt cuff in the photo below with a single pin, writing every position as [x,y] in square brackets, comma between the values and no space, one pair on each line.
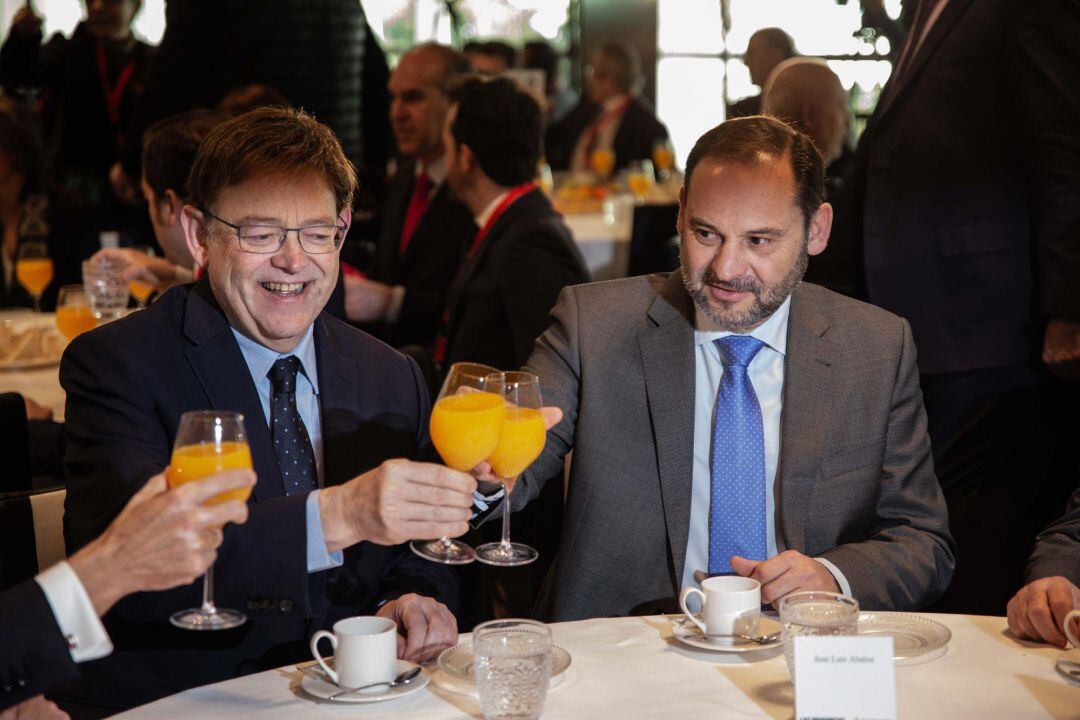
[318,559]
[845,586]
[80,625]
[397,299]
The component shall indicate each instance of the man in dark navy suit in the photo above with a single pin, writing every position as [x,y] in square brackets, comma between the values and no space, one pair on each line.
[329,413]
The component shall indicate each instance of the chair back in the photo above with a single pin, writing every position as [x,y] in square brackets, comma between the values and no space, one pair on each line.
[31,534]
[650,239]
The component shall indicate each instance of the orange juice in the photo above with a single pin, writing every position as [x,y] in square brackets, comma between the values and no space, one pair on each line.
[522,440]
[466,428]
[639,184]
[34,274]
[74,320]
[194,462]
[602,161]
[663,158]
[140,291]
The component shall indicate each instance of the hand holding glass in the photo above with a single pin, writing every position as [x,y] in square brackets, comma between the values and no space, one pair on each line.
[520,443]
[208,442]
[466,424]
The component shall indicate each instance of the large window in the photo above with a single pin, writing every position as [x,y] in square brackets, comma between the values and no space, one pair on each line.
[700,68]
[63,15]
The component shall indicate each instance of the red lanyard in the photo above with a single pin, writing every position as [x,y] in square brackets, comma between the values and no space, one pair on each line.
[113,93]
[507,201]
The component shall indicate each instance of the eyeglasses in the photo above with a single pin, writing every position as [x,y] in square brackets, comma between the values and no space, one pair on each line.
[268,239]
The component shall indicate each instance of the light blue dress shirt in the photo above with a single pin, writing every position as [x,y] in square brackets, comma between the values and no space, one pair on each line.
[259,360]
[766,373]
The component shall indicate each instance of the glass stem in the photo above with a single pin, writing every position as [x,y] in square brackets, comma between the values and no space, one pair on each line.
[445,542]
[37,303]
[505,542]
[208,607]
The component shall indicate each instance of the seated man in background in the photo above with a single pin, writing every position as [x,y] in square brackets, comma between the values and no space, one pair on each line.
[491,58]
[767,48]
[523,255]
[1038,610]
[161,539]
[328,410]
[169,149]
[729,418]
[614,117]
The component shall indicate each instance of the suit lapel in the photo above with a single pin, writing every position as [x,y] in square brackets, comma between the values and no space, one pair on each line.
[337,404]
[952,12]
[667,358]
[217,362]
[810,379]
[435,208]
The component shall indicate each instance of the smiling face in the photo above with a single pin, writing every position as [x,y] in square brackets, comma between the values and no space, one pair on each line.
[418,104]
[272,298]
[744,242]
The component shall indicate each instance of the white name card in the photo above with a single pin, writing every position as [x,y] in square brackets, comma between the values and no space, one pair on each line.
[844,678]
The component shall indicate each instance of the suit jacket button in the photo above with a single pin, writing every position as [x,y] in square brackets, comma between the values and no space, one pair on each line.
[286,605]
[22,683]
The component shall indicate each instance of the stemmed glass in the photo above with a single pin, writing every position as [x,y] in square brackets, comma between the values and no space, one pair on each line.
[34,269]
[208,442]
[466,424]
[73,316]
[640,179]
[521,442]
[663,157]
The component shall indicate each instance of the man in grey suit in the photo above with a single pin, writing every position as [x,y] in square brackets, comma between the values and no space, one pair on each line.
[729,419]
[1038,610]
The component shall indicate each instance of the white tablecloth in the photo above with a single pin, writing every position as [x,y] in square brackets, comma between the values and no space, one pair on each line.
[633,668]
[40,384]
[604,242]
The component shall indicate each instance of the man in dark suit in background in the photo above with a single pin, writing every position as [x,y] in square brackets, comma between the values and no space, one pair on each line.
[766,49]
[612,117]
[523,255]
[327,409]
[424,228]
[966,197]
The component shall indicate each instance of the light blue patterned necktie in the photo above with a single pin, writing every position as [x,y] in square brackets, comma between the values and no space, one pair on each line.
[737,462]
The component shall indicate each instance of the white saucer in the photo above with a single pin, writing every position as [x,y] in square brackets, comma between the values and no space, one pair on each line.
[1068,664]
[690,634]
[323,690]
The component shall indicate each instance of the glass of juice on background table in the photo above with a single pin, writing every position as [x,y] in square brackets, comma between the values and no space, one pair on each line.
[73,316]
[34,269]
[208,442]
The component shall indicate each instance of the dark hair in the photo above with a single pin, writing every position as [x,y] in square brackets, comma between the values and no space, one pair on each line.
[169,149]
[248,97]
[625,65]
[502,124]
[539,55]
[269,141]
[778,40]
[748,139]
[500,49]
[19,140]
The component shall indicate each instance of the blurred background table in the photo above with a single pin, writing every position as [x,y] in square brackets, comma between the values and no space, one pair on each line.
[42,384]
[634,668]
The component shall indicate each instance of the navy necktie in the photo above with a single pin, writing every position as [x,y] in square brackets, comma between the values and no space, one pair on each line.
[737,462]
[295,458]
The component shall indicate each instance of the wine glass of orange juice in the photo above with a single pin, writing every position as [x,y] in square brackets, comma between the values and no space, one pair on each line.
[466,424]
[523,436]
[73,316]
[663,157]
[640,179]
[602,162]
[34,269]
[208,442]
[139,290]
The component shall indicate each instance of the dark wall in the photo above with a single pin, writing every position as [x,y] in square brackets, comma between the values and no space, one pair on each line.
[628,21]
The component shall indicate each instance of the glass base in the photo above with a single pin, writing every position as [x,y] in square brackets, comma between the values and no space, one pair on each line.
[447,552]
[199,619]
[506,555]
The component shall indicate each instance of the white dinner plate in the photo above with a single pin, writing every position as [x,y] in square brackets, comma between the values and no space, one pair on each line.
[690,634]
[1068,664]
[323,689]
[914,636]
[458,662]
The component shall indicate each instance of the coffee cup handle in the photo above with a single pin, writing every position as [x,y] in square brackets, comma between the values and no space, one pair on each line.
[1069,624]
[686,593]
[315,651]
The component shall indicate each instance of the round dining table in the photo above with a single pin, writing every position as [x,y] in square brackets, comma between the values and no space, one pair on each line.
[635,668]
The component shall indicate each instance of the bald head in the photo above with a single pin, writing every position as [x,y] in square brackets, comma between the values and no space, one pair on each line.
[805,93]
[418,98]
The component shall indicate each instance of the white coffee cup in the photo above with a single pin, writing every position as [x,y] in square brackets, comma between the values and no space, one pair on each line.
[730,605]
[1069,625]
[365,651]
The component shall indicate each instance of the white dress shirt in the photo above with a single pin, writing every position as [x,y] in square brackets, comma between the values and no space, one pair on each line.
[80,625]
[766,372]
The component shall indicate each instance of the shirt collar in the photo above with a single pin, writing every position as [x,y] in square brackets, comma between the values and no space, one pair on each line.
[260,358]
[487,212]
[436,170]
[772,332]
